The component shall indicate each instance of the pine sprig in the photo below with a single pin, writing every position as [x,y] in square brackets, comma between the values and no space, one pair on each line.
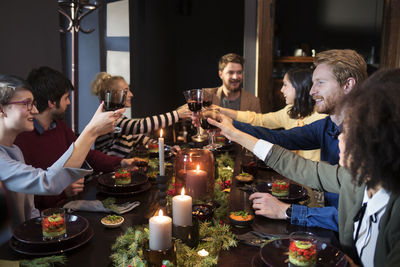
[44,261]
[128,248]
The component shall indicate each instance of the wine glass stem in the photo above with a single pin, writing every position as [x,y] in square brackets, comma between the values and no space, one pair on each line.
[212,139]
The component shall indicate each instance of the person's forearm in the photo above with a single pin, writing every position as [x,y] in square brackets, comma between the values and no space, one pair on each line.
[229,112]
[244,139]
[82,146]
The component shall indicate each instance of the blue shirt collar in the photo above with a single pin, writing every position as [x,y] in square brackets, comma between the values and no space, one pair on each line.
[39,127]
[334,130]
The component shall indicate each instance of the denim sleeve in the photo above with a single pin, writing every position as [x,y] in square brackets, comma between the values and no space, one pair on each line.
[303,138]
[326,217]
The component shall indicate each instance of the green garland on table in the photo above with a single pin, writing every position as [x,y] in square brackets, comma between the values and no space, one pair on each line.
[128,248]
[44,261]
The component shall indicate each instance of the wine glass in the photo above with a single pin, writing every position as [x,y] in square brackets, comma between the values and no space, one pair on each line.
[215,115]
[194,99]
[207,99]
[113,100]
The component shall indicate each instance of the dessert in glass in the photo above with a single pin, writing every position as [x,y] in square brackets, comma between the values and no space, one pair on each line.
[302,249]
[280,188]
[53,224]
[122,176]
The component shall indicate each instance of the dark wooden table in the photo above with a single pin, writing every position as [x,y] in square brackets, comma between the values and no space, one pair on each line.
[97,251]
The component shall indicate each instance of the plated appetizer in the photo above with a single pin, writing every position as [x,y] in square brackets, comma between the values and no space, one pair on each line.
[153,147]
[241,218]
[302,253]
[280,188]
[112,221]
[54,226]
[245,177]
[122,176]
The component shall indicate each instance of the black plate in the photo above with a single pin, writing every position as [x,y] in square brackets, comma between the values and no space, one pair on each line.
[106,190]
[257,261]
[296,192]
[137,179]
[275,254]
[27,237]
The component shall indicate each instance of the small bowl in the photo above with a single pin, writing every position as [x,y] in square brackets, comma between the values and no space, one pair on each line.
[245,178]
[110,224]
[241,223]
[203,212]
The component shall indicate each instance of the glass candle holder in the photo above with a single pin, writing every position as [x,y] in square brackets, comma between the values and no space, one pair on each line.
[195,170]
[53,224]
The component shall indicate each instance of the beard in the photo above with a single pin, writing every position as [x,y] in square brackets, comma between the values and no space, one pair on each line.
[58,115]
[232,88]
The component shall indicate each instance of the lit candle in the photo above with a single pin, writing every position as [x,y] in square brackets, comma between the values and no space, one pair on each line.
[196,183]
[182,209]
[203,253]
[160,232]
[161,153]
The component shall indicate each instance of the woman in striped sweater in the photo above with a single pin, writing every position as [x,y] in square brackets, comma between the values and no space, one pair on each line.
[133,130]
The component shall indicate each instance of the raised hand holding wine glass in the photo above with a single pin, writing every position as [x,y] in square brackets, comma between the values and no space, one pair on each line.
[215,115]
[194,99]
[114,100]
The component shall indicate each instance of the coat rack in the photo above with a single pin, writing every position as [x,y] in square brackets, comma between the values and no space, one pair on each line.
[75,11]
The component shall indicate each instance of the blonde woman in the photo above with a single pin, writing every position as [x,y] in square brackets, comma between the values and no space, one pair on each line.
[133,130]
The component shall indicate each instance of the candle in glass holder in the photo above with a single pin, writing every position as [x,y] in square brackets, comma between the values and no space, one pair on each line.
[160,232]
[161,153]
[196,183]
[182,209]
[203,253]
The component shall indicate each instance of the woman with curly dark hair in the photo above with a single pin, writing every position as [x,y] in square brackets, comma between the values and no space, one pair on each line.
[299,109]
[367,178]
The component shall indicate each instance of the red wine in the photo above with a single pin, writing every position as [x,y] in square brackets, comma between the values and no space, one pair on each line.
[194,106]
[112,106]
[206,126]
[206,103]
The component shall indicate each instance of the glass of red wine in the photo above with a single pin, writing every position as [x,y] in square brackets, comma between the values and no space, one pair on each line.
[207,99]
[194,99]
[113,100]
[215,115]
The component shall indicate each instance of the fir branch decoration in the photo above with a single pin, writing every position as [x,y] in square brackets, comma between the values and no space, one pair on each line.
[44,261]
[128,248]
[109,203]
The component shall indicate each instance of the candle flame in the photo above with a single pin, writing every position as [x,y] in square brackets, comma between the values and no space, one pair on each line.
[161,133]
[198,168]
[183,191]
[160,213]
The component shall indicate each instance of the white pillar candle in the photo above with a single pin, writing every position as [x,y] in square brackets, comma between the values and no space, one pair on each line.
[182,209]
[160,232]
[196,183]
[161,153]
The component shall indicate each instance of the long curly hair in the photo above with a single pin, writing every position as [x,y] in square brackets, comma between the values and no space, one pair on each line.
[301,80]
[372,131]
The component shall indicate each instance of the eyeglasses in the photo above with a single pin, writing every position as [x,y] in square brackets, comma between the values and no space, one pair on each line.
[28,103]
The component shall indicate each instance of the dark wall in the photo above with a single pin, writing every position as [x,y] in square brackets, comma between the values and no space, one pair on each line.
[175,46]
[329,24]
[29,36]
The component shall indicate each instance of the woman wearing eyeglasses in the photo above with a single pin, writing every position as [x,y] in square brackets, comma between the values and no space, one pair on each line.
[132,130]
[17,109]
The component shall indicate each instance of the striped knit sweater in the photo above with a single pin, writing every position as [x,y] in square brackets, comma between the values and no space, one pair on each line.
[133,133]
